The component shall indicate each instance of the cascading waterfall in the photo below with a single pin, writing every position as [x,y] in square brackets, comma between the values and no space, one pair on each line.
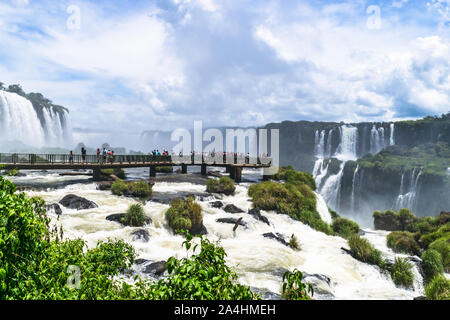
[408,200]
[377,141]
[352,199]
[391,137]
[19,121]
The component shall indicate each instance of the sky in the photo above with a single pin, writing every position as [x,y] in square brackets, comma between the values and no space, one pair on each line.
[124,67]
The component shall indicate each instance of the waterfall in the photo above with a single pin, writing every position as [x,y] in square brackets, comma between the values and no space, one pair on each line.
[329,146]
[391,138]
[19,122]
[408,200]
[319,148]
[332,188]
[352,199]
[347,147]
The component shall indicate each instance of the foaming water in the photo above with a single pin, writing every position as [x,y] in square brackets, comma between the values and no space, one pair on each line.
[258,261]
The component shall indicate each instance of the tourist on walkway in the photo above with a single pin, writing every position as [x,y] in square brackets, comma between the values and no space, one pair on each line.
[98,155]
[71,157]
[83,155]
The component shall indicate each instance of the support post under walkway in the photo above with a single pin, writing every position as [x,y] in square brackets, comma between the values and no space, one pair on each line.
[152,171]
[184,168]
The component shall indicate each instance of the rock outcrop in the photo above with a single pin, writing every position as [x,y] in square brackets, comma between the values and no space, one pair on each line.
[72,201]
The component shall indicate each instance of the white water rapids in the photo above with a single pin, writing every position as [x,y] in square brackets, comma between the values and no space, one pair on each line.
[258,261]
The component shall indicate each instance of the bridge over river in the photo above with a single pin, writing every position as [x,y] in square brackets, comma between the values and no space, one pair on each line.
[233,165]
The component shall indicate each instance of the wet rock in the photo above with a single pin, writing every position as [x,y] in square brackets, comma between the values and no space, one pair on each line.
[140,261]
[141,234]
[155,268]
[232,221]
[216,204]
[321,285]
[117,217]
[279,237]
[386,221]
[55,208]
[256,213]
[231,208]
[199,229]
[420,298]
[72,201]
[104,185]
[361,232]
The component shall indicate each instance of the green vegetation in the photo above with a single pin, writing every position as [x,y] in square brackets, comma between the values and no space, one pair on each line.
[140,189]
[293,287]
[442,245]
[403,242]
[135,216]
[184,215]
[164,169]
[288,174]
[438,289]
[431,157]
[364,251]
[118,172]
[36,263]
[432,264]
[345,227]
[224,185]
[401,272]
[292,198]
[293,243]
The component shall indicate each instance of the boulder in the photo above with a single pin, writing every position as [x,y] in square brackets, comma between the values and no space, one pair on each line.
[216,204]
[231,208]
[155,268]
[420,298]
[198,229]
[232,221]
[321,285]
[141,234]
[279,237]
[117,217]
[386,222]
[140,261]
[256,213]
[104,185]
[72,201]
[55,208]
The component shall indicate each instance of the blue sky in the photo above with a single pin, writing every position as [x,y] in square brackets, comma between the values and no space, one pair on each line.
[130,66]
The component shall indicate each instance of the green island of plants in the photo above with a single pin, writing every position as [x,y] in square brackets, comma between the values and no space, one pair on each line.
[223,185]
[139,189]
[184,214]
[135,216]
[118,172]
[164,169]
[401,272]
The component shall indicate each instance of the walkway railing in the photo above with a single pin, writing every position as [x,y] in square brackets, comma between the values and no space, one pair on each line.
[25,158]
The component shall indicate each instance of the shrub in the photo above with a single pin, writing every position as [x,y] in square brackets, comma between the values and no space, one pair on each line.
[293,243]
[401,272]
[164,169]
[438,289]
[442,245]
[203,276]
[297,201]
[224,185]
[442,232]
[334,214]
[184,214]
[134,216]
[432,264]
[293,287]
[119,188]
[345,227]
[364,251]
[140,189]
[288,174]
[403,242]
